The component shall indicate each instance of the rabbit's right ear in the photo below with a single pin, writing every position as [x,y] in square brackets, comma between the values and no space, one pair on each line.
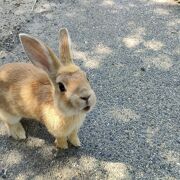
[39,54]
[65,47]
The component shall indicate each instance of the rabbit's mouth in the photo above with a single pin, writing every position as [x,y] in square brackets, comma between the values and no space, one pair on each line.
[87,108]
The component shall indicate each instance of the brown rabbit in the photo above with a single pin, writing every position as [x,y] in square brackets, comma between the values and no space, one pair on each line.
[53,91]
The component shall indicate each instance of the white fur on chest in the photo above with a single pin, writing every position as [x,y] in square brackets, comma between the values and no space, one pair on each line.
[58,125]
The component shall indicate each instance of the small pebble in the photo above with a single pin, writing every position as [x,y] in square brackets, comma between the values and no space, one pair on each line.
[143,69]
[4,176]
[3,173]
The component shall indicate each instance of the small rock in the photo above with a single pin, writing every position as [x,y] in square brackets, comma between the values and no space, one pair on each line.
[17,4]
[4,176]
[3,173]
[143,69]
[3,54]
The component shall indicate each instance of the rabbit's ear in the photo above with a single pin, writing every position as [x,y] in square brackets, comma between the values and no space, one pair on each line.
[65,47]
[39,54]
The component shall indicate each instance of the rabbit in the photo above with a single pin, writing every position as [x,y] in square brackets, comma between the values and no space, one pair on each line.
[51,90]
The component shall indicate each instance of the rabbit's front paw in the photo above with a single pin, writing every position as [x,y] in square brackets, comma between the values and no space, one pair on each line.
[61,143]
[74,140]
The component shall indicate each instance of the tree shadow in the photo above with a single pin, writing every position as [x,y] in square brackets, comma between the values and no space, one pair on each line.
[129,54]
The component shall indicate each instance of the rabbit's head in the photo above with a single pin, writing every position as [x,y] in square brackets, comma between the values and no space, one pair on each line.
[72,91]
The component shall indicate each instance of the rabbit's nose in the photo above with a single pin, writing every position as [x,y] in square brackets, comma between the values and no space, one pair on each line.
[85,98]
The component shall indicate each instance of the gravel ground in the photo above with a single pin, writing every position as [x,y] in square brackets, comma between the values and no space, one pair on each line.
[131,50]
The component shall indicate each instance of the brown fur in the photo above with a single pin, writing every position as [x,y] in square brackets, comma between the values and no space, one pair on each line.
[33,92]
[36,91]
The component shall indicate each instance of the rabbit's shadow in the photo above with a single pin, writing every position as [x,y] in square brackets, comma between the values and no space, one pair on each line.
[36,129]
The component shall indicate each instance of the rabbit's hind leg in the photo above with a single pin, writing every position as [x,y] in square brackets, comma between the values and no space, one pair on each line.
[13,124]
[16,131]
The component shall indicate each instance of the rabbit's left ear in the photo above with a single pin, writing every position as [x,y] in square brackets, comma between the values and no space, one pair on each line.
[40,54]
[65,47]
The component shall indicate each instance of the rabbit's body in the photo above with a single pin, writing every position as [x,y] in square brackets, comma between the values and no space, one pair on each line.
[56,94]
[24,102]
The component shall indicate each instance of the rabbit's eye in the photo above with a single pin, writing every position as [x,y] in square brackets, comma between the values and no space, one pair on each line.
[61,87]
